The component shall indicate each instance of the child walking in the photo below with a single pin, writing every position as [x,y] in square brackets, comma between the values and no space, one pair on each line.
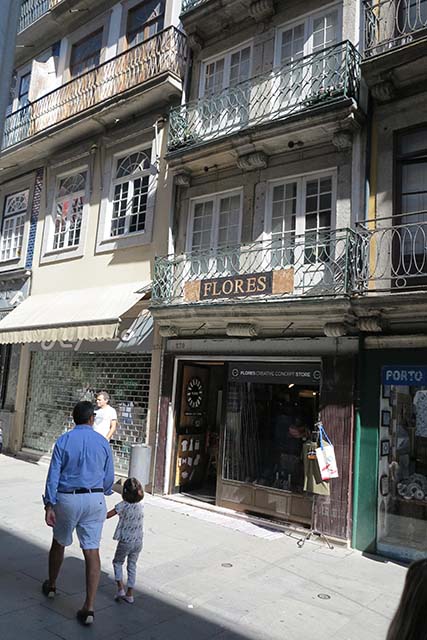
[129,532]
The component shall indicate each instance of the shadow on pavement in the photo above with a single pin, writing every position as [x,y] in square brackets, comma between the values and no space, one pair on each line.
[26,614]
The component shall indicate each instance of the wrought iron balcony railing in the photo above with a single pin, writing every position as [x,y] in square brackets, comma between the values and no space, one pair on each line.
[32,10]
[188,5]
[392,254]
[320,78]
[393,23]
[163,53]
[315,264]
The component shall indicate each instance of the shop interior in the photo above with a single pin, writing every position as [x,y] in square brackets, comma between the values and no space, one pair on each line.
[402,504]
[266,428]
[246,432]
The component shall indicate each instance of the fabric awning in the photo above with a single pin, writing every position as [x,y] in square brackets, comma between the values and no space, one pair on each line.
[80,314]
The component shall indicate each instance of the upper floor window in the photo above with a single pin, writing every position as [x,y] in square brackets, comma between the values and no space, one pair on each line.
[301,214]
[24,89]
[69,201]
[144,21]
[225,71]
[130,193]
[12,233]
[308,36]
[86,53]
[215,222]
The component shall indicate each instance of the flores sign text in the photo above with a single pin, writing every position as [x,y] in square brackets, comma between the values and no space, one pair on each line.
[246,285]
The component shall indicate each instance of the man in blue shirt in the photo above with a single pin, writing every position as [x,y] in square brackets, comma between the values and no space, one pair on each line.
[80,473]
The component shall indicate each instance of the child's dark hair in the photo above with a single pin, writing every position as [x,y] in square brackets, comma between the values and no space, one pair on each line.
[132,490]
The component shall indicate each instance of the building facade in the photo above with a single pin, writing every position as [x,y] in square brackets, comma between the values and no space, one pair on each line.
[85,192]
[391,438]
[260,340]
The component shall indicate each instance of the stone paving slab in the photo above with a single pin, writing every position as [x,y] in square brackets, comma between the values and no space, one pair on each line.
[199,578]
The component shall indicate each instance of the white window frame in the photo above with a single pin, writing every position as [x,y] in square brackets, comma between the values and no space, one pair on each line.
[49,254]
[6,190]
[105,242]
[215,197]
[307,20]
[16,220]
[82,193]
[301,180]
[227,64]
[102,22]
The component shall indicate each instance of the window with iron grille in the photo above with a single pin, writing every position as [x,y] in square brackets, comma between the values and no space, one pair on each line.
[14,216]
[85,54]
[144,21]
[69,203]
[130,193]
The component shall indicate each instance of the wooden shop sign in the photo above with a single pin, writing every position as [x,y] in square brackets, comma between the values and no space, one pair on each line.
[246,285]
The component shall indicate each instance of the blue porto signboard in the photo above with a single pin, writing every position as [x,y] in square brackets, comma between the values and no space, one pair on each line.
[404,375]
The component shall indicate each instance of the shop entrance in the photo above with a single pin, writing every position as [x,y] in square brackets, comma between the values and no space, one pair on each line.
[240,434]
[198,415]
[402,482]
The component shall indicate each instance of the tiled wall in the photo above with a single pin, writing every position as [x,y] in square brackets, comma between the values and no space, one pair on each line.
[59,379]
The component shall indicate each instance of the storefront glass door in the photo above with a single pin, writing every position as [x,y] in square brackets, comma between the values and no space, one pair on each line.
[402,485]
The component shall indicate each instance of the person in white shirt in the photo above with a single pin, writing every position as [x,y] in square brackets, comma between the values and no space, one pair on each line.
[105,416]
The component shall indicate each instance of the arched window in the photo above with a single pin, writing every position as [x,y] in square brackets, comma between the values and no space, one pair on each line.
[12,233]
[130,193]
[69,203]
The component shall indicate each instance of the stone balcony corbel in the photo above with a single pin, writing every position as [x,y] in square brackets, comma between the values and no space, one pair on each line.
[384,90]
[195,42]
[183,178]
[253,160]
[373,323]
[261,10]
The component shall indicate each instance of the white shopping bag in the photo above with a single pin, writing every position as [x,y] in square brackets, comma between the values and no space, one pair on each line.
[325,455]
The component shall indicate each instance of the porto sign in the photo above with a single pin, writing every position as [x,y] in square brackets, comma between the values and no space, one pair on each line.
[404,375]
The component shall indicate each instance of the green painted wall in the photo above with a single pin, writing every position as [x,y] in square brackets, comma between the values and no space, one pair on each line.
[366,439]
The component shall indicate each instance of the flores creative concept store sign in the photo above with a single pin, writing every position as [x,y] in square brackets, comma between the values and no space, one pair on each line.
[247,285]
[275,373]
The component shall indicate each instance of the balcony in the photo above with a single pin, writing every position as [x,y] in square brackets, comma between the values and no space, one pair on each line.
[140,70]
[391,255]
[316,264]
[395,40]
[319,80]
[33,10]
[393,23]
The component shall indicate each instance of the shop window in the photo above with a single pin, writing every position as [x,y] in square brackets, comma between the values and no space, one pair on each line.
[12,234]
[85,54]
[69,203]
[144,21]
[5,355]
[266,428]
[130,194]
[402,481]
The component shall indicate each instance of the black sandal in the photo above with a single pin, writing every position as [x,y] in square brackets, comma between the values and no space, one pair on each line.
[48,591]
[85,617]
